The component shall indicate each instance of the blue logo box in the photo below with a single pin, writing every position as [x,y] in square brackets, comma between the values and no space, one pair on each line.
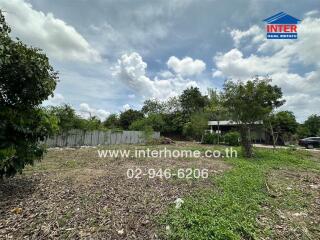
[282,35]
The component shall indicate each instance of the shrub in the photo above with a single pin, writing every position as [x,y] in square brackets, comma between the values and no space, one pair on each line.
[153,120]
[210,138]
[232,138]
[138,125]
[148,134]
[195,127]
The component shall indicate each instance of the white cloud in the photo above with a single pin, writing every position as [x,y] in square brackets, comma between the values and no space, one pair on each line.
[312,13]
[126,107]
[186,66]
[235,65]
[237,35]
[216,73]
[279,59]
[86,111]
[131,96]
[131,70]
[166,74]
[45,31]
[302,104]
[57,99]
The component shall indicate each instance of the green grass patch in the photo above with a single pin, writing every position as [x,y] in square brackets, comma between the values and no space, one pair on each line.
[230,210]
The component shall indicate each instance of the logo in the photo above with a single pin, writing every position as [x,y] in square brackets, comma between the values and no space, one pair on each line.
[282,26]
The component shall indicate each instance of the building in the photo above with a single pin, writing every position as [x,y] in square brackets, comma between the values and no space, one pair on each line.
[258,134]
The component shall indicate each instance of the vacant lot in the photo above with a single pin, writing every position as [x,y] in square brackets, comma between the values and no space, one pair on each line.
[75,194]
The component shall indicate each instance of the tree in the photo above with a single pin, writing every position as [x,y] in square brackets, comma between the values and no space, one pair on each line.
[26,79]
[283,125]
[155,121]
[196,126]
[216,109]
[215,106]
[173,116]
[192,101]
[128,117]
[250,102]
[112,122]
[303,131]
[172,105]
[93,123]
[67,118]
[152,106]
[313,125]
[286,122]
[174,122]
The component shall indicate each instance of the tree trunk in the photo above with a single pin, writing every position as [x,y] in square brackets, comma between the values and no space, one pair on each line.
[274,138]
[272,135]
[246,141]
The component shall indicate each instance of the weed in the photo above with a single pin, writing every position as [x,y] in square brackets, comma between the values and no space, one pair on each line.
[230,212]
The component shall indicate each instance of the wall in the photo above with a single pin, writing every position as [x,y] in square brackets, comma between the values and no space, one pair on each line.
[93,138]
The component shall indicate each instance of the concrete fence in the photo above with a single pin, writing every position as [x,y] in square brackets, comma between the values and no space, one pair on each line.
[76,138]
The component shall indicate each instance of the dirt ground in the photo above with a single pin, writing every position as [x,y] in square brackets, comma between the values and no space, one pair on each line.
[75,194]
[294,211]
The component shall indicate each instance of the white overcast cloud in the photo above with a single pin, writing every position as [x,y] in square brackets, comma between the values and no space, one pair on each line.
[86,111]
[276,59]
[47,32]
[131,70]
[186,66]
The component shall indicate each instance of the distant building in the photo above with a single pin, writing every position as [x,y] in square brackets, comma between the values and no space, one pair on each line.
[221,127]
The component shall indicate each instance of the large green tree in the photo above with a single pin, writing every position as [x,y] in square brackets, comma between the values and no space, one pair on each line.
[195,128]
[128,117]
[303,131]
[250,102]
[154,121]
[282,126]
[26,79]
[215,108]
[67,118]
[112,122]
[313,125]
[192,101]
[151,106]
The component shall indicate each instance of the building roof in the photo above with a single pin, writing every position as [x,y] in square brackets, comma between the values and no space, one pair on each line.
[281,18]
[227,123]
[222,123]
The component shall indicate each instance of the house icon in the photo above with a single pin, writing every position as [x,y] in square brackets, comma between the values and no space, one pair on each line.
[282,18]
[282,26]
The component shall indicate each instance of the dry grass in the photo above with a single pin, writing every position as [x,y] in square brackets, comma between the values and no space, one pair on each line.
[73,193]
[294,211]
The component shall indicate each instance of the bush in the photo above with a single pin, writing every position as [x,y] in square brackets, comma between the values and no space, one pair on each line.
[210,138]
[195,127]
[148,134]
[153,120]
[232,138]
[138,125]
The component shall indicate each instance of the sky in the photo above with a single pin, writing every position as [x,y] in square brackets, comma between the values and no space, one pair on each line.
[112,55]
